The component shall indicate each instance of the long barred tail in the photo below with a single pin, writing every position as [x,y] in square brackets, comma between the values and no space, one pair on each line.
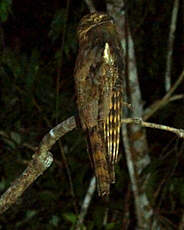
[100,163]
[112,132]
[104,142]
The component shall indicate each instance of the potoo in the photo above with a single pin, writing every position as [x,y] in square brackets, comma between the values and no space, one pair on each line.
[98,82]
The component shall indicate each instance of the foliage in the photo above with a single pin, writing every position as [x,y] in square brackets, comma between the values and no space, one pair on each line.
[5,9]
[58,27]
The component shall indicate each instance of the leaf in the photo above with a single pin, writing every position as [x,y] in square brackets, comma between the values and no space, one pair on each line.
[10,143]
[70,217]
[5,9]
[109,226]
[2,184]
[57,24]
[15,137]
[54,220]
[30,214]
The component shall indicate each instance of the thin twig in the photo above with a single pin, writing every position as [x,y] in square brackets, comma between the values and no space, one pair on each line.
[86,202]
[181,224]
[68,172]
[170,44]
[105,219]
[58,84]
[90,5]
[42,113]
[176,97]
[158,105]
[127,203]
[139,121]
[60,60]
[42,159]
[131,167]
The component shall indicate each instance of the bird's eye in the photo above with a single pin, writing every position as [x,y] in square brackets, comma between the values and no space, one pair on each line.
[97,19]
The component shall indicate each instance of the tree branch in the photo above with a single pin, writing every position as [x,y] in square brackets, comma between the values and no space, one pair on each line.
[42,159]
[86,202]
[139,121]
[159,104]
[90,5]
[133,93]
[170,44]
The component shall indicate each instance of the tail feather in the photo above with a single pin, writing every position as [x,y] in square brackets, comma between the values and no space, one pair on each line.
[100,162]
[112,132]
[117,112]
[104,142]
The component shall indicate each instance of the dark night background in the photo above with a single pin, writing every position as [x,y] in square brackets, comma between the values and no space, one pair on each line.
[38,48]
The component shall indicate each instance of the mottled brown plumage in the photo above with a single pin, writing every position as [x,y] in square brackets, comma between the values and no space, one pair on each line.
[98,80]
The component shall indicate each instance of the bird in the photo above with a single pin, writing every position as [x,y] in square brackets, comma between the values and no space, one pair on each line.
[98,76]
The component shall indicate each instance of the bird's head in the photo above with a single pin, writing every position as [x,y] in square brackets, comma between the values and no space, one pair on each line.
[90,21]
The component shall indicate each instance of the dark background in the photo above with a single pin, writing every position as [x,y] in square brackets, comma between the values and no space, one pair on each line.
[38,48]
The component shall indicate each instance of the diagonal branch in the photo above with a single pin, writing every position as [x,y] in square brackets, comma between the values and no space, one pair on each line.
[86,202]
[42,159]
[170,44]
[156,106]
